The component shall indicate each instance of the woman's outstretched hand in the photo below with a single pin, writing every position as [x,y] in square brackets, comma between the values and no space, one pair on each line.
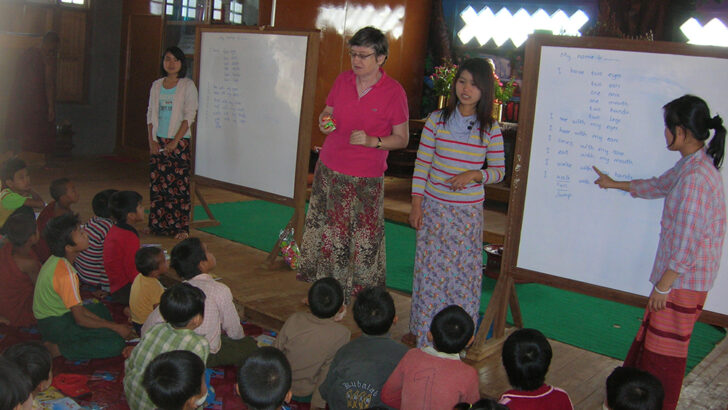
[604,181]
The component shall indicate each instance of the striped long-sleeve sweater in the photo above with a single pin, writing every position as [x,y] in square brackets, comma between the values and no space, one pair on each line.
[450,149]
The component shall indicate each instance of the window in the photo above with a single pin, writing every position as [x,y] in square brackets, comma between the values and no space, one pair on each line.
[227,11]
[713,33]
[81,3]
[502,21]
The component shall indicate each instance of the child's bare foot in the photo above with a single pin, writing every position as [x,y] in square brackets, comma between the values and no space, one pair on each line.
[53,348]
[127,351]
[100,294]
[409,340]
[340,316]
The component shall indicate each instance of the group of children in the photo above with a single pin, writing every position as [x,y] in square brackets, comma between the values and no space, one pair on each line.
[194,324]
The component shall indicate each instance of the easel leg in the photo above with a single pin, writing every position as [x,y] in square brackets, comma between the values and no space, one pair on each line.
[270,260]
[211,221]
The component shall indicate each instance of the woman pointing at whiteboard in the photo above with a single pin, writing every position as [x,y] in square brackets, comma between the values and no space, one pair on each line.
[691,239]
[171,112]
[365,117]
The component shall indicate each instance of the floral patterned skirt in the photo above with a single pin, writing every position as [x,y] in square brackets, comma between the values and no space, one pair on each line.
[344,235]
[169,189]
[448,263]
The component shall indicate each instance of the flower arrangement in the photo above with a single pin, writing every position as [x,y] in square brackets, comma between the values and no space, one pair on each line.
[443,77]
[503,93]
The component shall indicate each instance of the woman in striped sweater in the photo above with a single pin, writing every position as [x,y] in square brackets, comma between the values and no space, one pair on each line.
[447,197]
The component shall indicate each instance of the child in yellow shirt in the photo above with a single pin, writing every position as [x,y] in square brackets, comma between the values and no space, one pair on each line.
[146,290]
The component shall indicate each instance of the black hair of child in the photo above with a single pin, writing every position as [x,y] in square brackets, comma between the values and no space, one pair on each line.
[58,188]
[172,378]
[146,259]
[186,257]
[526,357]
[10,168]
[123,203]
[374,311]
[634,389]
[181,303]
[15,385]
[100,203]
[20,226]
[451,329]
[325,298]
[33,358]
[58,233]
[264,379]
[482,404]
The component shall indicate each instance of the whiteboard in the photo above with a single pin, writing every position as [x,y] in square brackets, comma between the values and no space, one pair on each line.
[251,88]
[604,107]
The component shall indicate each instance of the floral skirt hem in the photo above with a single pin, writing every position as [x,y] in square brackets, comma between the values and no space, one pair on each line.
[344,234]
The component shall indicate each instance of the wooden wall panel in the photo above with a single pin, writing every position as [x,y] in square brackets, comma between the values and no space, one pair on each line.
[144,39]
[141,44]
[72,60]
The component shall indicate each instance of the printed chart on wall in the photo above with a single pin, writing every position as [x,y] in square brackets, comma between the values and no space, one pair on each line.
[251,87]
[603,108]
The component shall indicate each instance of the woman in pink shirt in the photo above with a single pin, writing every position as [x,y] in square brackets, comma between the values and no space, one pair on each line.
[365,117]
[691,239]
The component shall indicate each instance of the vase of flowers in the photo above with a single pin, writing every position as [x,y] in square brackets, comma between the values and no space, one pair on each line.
[442,80]
[503,93]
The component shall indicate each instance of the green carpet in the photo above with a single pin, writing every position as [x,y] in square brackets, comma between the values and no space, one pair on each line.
[598,325]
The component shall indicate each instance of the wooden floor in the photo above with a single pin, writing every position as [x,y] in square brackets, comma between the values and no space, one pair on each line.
[268,297]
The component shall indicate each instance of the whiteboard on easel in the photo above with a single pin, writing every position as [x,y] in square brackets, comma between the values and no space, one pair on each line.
[251,86]
[602,106]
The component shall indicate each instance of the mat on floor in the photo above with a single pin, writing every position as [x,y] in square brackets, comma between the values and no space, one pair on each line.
[598,325]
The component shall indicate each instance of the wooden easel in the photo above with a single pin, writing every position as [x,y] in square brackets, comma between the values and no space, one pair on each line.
[504,296]
[211,220]
[298,198]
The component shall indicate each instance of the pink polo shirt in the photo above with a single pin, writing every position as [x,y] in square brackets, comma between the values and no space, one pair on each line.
[380,109]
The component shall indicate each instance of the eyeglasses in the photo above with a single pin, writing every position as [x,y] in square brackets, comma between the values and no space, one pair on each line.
[360,56]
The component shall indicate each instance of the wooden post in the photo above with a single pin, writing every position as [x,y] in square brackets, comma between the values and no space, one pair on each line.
[211,221]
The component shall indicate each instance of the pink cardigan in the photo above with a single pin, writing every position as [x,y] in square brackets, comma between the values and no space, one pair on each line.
[184,106]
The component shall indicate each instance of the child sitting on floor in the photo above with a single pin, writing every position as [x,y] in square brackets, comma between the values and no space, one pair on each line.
[74,330]
[90,263]
[193,263]
[146,290]
[311,339]
[20,268]
[15,387]
[122,243]
[64,194]
[633,389]
[264,380]
[183,309]
[16,189]
[526,357]
[361,367]
[449,381]
[176,381]
[35,361]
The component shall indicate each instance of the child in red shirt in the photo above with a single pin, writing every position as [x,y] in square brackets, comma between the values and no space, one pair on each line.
[121,244]
[64,194]
[434,377]
[20,267]
[526,356]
